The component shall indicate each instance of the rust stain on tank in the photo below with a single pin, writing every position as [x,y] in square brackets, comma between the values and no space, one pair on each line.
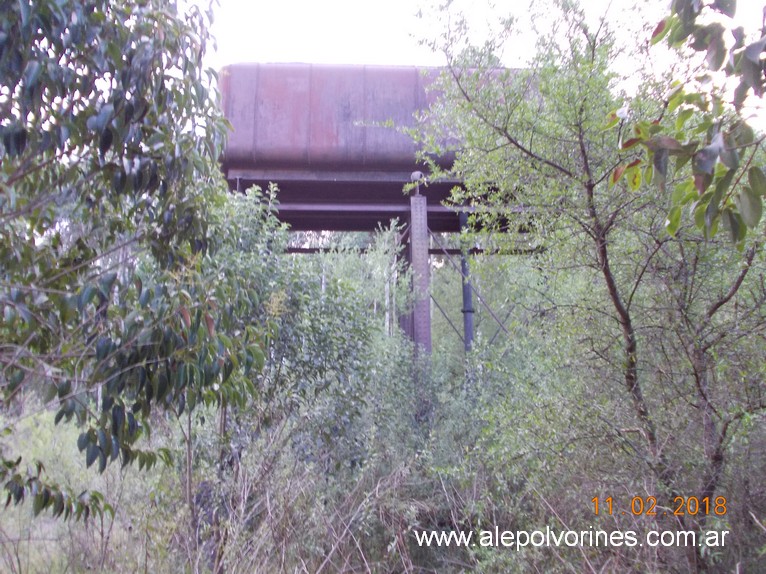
[321,116]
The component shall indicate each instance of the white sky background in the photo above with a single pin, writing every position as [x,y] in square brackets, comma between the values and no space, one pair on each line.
[388,32]
[319,31]
[380,31]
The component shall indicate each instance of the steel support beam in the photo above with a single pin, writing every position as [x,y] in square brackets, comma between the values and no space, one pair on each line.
[419,260]
[467,291]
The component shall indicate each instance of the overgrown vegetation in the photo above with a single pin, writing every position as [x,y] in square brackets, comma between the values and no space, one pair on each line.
[267,413]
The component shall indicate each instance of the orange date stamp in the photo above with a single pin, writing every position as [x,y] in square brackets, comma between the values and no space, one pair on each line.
[647,506]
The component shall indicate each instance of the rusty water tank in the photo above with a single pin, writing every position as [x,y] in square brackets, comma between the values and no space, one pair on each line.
[333,138]
[323,117]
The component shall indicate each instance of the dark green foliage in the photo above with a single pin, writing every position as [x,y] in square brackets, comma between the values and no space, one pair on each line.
[701,128]
[632,360]
[110,141]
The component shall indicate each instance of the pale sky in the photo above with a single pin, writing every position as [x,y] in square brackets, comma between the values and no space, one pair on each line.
[319,31]
[378,31]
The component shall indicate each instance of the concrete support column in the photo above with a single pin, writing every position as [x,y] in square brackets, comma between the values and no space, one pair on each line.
[419,260]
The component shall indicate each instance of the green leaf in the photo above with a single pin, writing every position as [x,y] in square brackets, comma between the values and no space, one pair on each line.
[713,208]
[716,50]
[98,122]
[127,456]
[729,155]
[705,159]
[38,504]
[24,11]
[129,109]
[702,181]
[118,419]
[743,134]
[680,191]
[684,193]
[633,177]
[103,442]
[612,120]
[753,51]
[650,176]
[660,30]
[757,180]
[661,165]
[105,141]
[103,346]
[258,357]
[58,504]
[83,441]
[680,32]
[31,74]
[91,454]
[51,392]
[86,296]
[683,117]
[682,159]
[115,449]
[750,206]
[106,283]
[752,76]
[616,175]
[733,222]
[724,183]
[740,94]
[727,7]
[673,220]
[19,142]
[132,425]
[64,388]
[162,385]
[119,180]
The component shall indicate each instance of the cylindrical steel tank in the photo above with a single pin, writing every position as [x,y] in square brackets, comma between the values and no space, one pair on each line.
[321,116]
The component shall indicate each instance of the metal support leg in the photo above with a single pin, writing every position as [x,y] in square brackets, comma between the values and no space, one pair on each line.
[467,291]
[419,260]
[405,319]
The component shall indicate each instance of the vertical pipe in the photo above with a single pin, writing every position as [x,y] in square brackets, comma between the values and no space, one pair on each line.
[467,291]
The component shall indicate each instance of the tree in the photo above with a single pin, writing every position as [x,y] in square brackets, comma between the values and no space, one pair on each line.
[110,140]
[662,321]
[710,134]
